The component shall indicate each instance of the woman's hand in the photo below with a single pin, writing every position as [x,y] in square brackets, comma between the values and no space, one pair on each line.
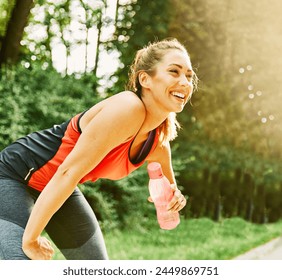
[178,200]
[40,249]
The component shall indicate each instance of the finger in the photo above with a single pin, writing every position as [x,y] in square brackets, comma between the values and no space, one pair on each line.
[179,204]
[46,247]
[52,251]
[49,254]
[49,242]
[178,207]
[175,199]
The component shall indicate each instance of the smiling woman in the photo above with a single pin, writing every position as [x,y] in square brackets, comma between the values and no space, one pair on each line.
[47,165]
[167,60]
[171,79]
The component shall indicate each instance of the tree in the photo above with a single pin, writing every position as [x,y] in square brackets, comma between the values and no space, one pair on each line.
[68,25]
[137,23]
[10,48]
[6,8]
[232,43]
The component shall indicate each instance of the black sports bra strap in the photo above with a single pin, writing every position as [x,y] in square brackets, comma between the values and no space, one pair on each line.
[146,148]
[78,120]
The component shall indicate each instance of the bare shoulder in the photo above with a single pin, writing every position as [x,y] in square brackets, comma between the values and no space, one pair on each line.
[125,106]
[126,98]
[126,103]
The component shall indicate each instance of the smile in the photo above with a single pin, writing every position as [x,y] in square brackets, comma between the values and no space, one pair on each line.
[178,94]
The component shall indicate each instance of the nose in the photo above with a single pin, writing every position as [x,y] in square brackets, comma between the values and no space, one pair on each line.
[184,81]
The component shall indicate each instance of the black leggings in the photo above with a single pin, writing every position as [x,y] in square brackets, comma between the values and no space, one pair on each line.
[73,228]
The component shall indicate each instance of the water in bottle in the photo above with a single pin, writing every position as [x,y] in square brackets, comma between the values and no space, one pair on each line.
[161,194]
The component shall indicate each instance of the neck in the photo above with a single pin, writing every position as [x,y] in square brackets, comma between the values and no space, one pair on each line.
[155,116]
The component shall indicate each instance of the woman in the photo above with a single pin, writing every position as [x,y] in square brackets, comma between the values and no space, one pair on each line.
[110,140]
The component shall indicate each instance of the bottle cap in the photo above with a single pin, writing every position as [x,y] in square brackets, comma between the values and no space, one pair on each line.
[155,170]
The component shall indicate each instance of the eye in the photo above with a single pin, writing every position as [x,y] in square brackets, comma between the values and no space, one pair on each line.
[175,71]
[189,76]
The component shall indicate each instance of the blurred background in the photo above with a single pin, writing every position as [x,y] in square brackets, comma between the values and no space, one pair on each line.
[59,57]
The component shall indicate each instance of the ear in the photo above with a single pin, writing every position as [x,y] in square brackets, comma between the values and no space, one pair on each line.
[144,79]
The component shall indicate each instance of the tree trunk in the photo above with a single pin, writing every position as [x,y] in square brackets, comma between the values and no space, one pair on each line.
[99,26]
[11,42]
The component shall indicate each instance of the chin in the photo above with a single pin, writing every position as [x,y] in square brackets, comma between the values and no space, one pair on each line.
[179,110]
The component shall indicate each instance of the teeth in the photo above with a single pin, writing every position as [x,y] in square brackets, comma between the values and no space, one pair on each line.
[178,94]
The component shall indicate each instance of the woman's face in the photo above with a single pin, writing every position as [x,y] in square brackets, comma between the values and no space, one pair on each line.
[172,83]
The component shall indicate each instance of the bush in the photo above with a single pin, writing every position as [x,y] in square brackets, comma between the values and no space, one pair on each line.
[34,99]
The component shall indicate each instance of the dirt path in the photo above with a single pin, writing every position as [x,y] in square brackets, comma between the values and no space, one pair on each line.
[270,251]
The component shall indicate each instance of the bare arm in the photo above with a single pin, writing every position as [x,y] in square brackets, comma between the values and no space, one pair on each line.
[112,126]
[162,154]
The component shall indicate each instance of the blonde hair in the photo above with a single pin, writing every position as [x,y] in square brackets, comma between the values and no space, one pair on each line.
[146,60]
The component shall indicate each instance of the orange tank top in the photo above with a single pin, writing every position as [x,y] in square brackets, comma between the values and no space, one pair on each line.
[115,165]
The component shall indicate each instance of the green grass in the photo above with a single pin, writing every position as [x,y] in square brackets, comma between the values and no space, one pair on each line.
[194,239]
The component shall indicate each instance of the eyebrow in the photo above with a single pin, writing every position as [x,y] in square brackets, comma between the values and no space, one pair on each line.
[180,66]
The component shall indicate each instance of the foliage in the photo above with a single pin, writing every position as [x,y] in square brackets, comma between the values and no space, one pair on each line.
[238,102]
[5,8]
[226,182]
[233,128]
[228,155]
[134,30]
[194,239]
[33,98]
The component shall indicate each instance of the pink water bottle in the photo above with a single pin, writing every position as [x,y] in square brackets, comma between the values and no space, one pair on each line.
[161,194]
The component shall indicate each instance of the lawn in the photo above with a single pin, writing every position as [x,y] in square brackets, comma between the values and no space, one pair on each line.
[194,239]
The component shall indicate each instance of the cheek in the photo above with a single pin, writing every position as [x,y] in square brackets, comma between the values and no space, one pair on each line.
[191,87]
[160,85]
[190,94]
